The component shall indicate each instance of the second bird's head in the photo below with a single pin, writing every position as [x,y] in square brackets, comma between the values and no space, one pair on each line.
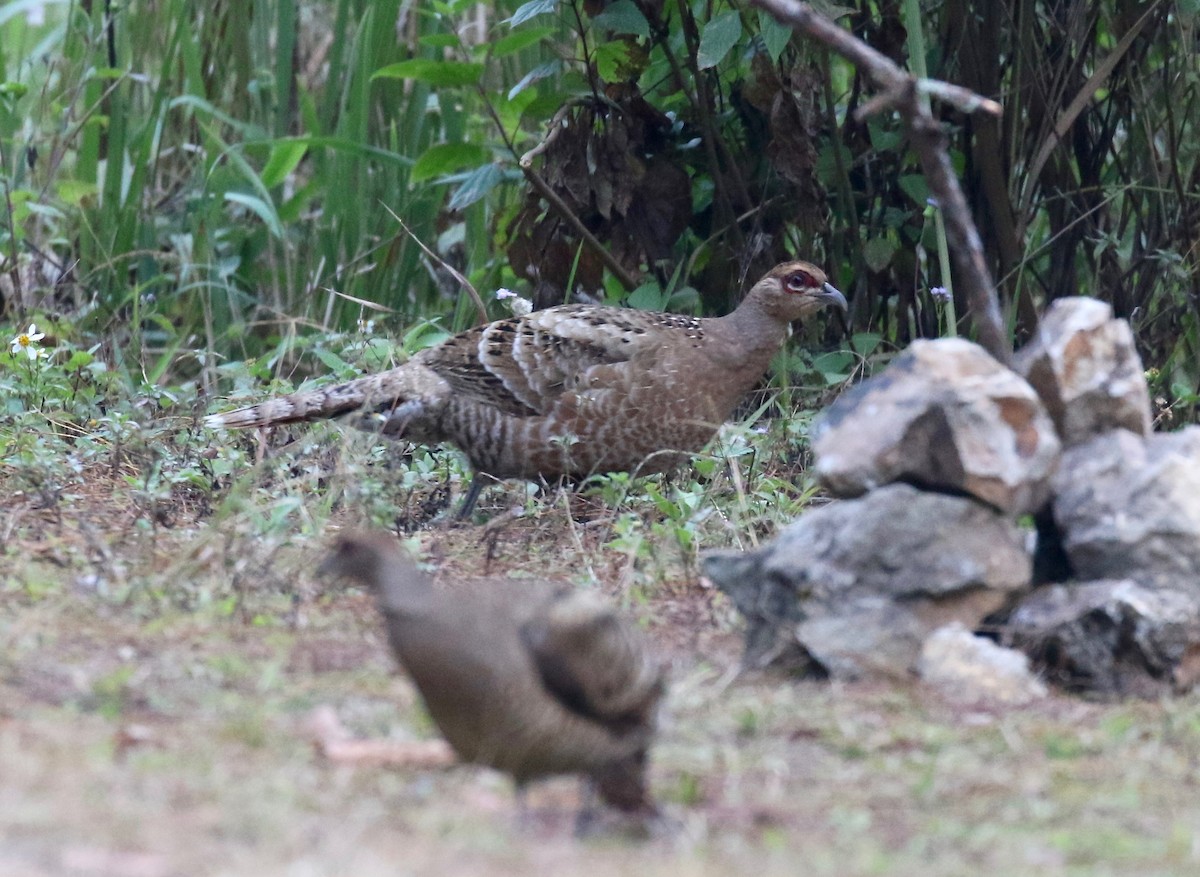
[375,559]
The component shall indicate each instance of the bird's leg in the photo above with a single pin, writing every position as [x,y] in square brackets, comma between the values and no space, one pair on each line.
[586,819]
[526,823]
[468,505]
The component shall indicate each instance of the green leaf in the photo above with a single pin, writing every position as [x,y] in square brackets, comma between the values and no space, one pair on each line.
[285,155]
[864,343]
[517,40]
[260,208]
[440,41]
[665,506]
[79,359]
[542,71]
[476,185]
[332,361]
[612,59]
[533,8]
[884,139]
[828,164]
[878,253]
[74,191]
[915,187]
[834,366]
[445,158]
[895,218]
[683,300]
[510,111]
[623,17]
[422,335]
[448,73]
[775,35]
[647,297]
[720,35]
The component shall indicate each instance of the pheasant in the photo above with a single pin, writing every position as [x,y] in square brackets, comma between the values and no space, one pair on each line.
[573,390]
[524,677]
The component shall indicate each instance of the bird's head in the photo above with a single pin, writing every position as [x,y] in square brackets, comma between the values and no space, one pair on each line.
[358,556]
[377,561]
[793,290]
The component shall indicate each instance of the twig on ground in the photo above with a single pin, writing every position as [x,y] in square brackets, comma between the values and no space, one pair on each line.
[334,742]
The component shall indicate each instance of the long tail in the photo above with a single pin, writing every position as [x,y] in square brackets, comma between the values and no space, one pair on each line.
[312,405]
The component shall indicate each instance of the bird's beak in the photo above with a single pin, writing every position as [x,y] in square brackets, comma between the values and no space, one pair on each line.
[831,296]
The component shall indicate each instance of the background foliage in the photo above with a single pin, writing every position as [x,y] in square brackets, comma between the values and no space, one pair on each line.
[192,182]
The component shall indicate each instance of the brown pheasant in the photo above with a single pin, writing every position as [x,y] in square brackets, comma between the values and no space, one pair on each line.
[571,390]
[524,677]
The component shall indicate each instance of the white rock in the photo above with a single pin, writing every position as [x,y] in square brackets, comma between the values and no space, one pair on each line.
[973,668]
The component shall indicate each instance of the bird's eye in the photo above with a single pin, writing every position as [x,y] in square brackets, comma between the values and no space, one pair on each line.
[798,281]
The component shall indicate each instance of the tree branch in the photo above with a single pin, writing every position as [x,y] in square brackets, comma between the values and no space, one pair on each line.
[902,91]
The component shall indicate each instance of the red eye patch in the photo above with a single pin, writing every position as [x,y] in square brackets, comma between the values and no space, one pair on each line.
[800,281]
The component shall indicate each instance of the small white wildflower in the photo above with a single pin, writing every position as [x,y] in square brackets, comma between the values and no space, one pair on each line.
[939,293]
[366,327]
[517,305]
[27,342]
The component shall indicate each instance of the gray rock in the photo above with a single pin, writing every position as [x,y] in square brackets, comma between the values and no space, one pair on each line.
[1129,507]
[971,669]
[1109,637]
[854,587]
[944,416]
[1084,365]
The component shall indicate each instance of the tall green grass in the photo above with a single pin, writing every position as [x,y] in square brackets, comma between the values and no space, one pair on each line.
[194,181]
[236,173]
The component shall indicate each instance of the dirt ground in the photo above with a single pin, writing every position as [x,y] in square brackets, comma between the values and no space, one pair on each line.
[158,688]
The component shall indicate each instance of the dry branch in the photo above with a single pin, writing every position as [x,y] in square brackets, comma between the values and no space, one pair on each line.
[903,92]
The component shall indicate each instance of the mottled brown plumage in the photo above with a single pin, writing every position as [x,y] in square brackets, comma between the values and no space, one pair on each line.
[525,677]
[572,390]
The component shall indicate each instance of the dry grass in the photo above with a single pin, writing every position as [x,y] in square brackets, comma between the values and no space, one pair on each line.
[158,727]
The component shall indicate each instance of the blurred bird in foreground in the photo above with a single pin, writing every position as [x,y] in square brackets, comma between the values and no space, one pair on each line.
[525,677]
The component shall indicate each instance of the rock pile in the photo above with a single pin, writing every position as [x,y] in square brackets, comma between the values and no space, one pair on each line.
[855,586]
[936,461]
